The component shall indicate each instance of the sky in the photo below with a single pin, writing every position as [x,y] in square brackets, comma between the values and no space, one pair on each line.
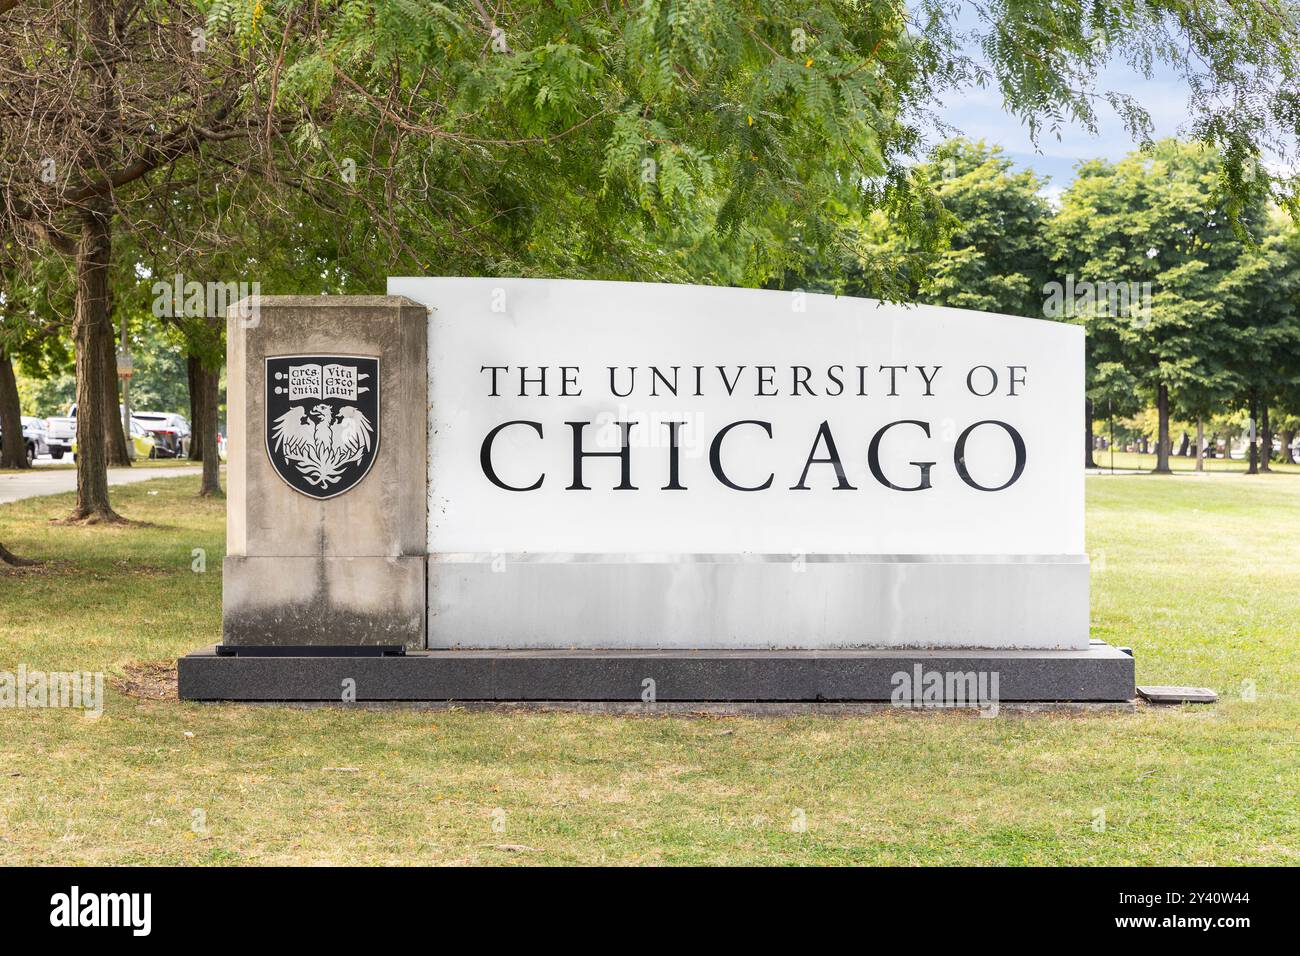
[979,114]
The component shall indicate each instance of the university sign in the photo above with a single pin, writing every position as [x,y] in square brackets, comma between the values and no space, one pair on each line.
[755,495]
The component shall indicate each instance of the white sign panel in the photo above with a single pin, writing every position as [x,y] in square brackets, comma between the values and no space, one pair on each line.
[570,417]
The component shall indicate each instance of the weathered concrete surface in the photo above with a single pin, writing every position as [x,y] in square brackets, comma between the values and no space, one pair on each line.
[758,601]
[323,600]
[1100,673]
[296,570]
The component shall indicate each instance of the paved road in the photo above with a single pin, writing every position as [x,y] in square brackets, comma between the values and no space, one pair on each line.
[14,486]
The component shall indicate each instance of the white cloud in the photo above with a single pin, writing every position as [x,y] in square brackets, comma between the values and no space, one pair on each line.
[1053,195]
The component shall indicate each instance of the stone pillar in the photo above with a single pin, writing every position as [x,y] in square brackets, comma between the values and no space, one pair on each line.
[326,512]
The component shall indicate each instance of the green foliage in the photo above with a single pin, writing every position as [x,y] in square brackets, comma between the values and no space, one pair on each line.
[982,246]
[160,383]
[663,140]
[35,315]
[47,395]
[996,260]
[1261,294]
[1148,238]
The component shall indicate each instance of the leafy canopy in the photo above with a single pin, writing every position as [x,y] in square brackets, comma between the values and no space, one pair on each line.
[728,141]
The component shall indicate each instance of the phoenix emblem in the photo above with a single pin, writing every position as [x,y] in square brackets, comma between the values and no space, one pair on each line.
[322,421]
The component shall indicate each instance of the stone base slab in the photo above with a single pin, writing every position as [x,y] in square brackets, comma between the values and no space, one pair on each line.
[771,601]
[1099,673]
[323,600]
[703,709]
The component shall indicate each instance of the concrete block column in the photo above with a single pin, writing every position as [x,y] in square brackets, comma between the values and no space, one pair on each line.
[343,569]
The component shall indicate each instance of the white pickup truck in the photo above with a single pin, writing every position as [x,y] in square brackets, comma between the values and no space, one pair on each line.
[60,433]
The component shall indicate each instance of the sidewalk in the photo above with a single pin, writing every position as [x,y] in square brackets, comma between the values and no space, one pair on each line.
[15,486]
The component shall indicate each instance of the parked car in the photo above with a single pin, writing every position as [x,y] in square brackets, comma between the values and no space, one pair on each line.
[170,432]
[34,432]
[61,432]
[141,439]
[33,438]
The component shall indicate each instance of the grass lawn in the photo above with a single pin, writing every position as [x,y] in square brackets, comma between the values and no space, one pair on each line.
[1131,460]
[1198,574]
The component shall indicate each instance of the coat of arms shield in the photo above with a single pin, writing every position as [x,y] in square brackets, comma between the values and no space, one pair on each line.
[322,420]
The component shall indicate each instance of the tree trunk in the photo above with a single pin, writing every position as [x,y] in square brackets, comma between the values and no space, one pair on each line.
[1162,439]
[1252,453]
[114,437]
[1183,445]
[209,387]
[1266,440]
[193,372]
[94,257]
[13,454]
[1088,460]
[1288,436]
[1200,445]
[94,250]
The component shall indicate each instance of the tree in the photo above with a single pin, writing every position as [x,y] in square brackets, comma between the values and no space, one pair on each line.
[12,327]
[29,338]
[1262,296]
[1288,426]
[996,260]
[99,96]
[13,453]
[983,249]
[1145,246]
[733,141]
[1111,389]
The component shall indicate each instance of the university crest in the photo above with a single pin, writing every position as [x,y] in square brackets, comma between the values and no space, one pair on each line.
[322,420]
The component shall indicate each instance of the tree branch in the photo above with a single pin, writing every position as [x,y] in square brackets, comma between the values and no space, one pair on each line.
[172,147]
[61,241]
